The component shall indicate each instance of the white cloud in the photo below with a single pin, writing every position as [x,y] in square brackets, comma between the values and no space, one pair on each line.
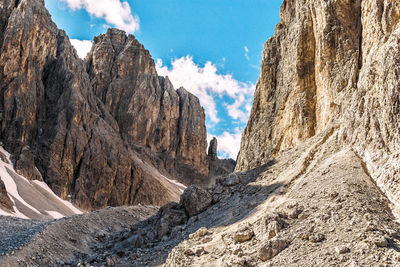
[113,11]
[206,83]
[228,143]
[246,54]
[82,47]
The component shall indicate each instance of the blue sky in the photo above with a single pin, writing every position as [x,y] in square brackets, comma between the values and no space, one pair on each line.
[211,47]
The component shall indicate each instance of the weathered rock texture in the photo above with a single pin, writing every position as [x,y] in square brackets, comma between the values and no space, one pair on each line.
[323,133]
[5,201]
[314,205]
[83,124]
[330,63]
[217,166]
[149,112]
[213,149]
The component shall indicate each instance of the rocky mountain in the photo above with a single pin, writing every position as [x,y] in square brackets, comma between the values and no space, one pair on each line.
[150,114]
[331,66]
[316,183]
[106,131]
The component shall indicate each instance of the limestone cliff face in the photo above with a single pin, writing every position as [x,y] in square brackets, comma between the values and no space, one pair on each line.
[331,63]
[82,124]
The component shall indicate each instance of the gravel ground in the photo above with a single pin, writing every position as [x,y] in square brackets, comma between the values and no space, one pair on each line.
[66,241]
[15,232]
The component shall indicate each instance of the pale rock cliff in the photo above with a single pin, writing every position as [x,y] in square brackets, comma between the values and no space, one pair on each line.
[330,63]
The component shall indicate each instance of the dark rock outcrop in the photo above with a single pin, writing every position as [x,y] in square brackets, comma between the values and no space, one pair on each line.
[150,114]
[195,200]
[213,149]
[218,167]
[95,130]
[5,201]
[25,164]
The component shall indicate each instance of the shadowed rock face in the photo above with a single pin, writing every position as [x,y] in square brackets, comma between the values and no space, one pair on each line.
[5,201]
[218,167]
[83,124]
[330,63]
[213,149]
[149,112]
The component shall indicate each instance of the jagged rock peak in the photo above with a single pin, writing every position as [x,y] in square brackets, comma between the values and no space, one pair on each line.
[213,149]
[149,112]
[107,130]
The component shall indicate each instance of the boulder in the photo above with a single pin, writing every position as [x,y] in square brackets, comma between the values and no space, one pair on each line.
[272,248]
[195,200]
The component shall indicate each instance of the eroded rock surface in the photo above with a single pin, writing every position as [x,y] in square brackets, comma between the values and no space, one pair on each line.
[217,166]
[149,112]
[315,205]
[330,63]
[108,131]
[5,201]
[321,143]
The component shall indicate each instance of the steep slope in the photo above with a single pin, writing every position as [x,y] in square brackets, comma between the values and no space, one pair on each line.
[314,205]
[107,131]
[330,63]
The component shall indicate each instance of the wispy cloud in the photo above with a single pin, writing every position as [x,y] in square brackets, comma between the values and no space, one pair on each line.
[115,12]
[208,84]
[82,47]
[246,54]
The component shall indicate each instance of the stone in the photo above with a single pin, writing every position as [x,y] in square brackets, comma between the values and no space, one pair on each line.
[199,233]
[200,251]
[342,249]
[272,248]
[243,235]
[189,252]
[274,226]
[381,241]
[294,213]
[169,217]
[231,179]
[316,238]
[195,200]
